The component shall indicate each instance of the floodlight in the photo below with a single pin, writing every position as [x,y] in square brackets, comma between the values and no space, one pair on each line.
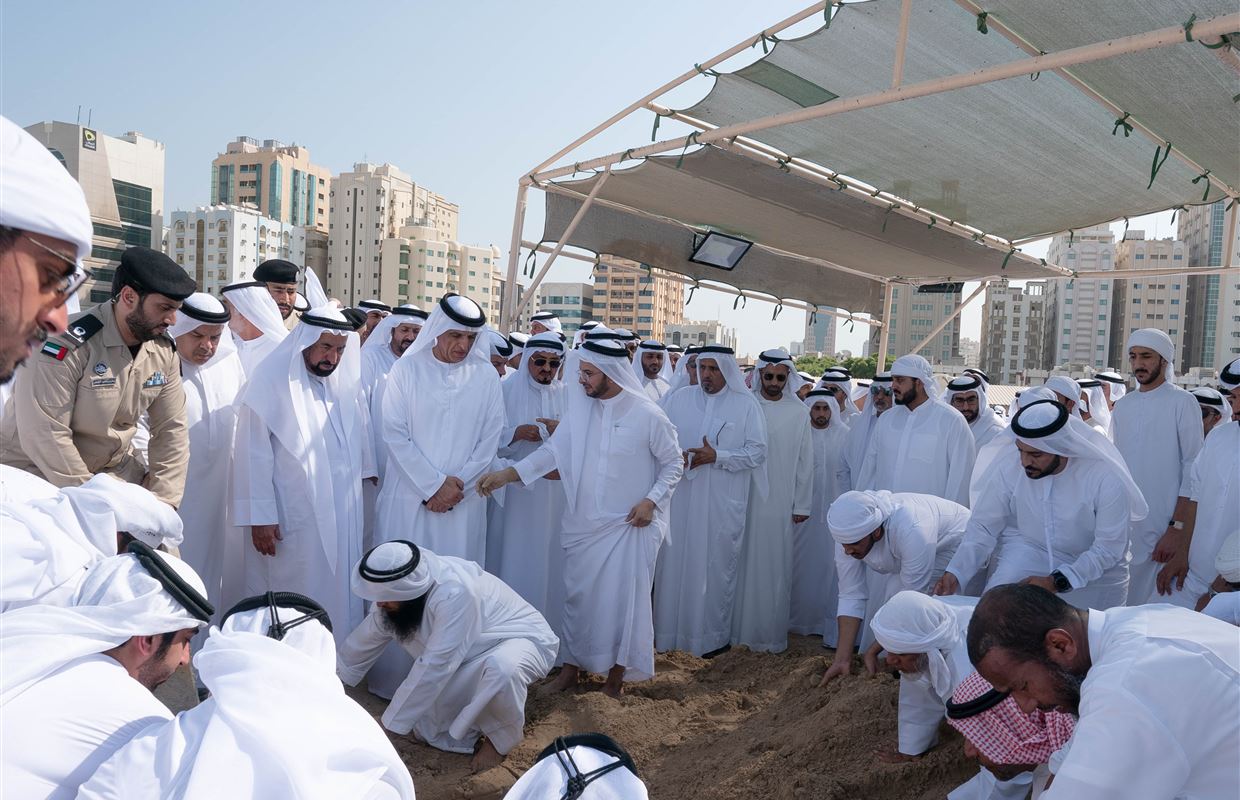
[719,250]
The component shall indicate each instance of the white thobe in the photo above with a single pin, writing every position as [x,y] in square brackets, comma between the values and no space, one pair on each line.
[376,363]
[1224,606]
[478,649]
[855,448]
[1159,434]
[524,532]
[764,592]
[254,351]
[695,582]
[58,731]
[270,487]
[814,584]
[439,420]
[1157,713]
[927,451]
[1216,490]
[918,541]
[1075,522]
[656,388]
[984,428]
[213,546]
[631,455]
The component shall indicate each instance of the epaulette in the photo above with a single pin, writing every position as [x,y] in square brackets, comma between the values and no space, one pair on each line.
[79,331]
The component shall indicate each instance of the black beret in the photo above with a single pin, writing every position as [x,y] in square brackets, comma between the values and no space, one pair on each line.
[276,270]
[150,271]
[356,316]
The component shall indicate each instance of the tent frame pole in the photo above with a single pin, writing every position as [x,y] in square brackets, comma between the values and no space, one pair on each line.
[1229,234]
[508,313]
[1099,51]
[959,308]
[880,365]
[897,73]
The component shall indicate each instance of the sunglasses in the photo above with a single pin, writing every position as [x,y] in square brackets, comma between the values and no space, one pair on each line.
[774,376]
[877,390]
[542,362]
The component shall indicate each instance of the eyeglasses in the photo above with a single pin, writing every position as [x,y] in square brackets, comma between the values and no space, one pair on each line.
[774,376]
[70,282]
[554,363]
[875,391]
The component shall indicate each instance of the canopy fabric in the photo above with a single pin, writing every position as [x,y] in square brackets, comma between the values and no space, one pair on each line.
[1017,158]
[718,190]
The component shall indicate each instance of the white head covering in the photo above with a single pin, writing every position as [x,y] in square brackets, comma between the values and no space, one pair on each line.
[1117,386]
[527,400]
[652,346]
[770,358]
[1227,562]
[855,514]
[915,366]
[548,778]
[381,336]
[441,321]
[1003,442]
[580,335]
[190,318]
[117,600]
[252,301]
[680,373]
[315,296]
[972,383]
[823,396]
[394,571]
[498,344]
[1096,402]
[280,393]
[37,193]
[518,340]
[712,420]
[1047,426]
[1065,387]
[913,623]
[1159,342]
[836,377]
[1229,376]
[547,320]
[1210,398]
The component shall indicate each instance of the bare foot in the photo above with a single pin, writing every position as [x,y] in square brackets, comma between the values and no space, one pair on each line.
[567,679]
[614,685]
[486,757]
[614,691]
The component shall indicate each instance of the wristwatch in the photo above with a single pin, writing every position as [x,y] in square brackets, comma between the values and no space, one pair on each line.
[1176,524]
[1062,584]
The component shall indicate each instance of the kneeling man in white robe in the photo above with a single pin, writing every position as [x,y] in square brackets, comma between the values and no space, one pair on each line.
[476,645]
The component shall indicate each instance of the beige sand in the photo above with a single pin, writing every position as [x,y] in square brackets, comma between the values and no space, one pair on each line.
[745,725]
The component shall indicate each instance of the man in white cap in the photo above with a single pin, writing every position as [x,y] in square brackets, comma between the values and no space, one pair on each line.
[376,311]
[1113,386]
[838,381]
[653,369]
[1158,431]
[1068,393]
[877,402]
[905,538]
[523,535]
[921,445]
[1222,599]
[815,588]
[477,647]
[45,232]
[583,766]
[764,590]
[1072,507]
[1214,408]
[722,433]
[1153,688]
[545,322]
[50,543]
[277,722]
[618,457]
[443,414]
[212,376]
[967,394]
[255,321]
[303,449]
[76,682]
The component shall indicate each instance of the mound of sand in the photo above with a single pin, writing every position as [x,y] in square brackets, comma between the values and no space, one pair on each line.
[741,725]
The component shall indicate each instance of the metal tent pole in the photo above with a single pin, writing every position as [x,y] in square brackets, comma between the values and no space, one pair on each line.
[881,363]
[939,328]
[508,311]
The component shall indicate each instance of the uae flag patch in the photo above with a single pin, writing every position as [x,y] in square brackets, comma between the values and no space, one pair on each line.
[56,351]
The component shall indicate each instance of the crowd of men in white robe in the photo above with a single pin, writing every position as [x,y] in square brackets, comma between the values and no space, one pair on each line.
[415,499]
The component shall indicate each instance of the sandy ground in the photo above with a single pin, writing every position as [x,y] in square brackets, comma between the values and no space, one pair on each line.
[744,725]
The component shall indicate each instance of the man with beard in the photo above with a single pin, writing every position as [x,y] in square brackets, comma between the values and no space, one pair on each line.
[77,406]
[280,279]
[1113,387]
[652,368]
[545,322]
[477,647]
[683,374]
[922,445]
[1214,408]
[254,322]
[76,682]
[1158,431]
[674,354]
[967,394]
[1154,689]
[877,401]
[303,448]
[1072,509]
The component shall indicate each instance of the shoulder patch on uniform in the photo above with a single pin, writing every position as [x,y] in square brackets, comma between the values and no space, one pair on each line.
[82,328]
[56,351]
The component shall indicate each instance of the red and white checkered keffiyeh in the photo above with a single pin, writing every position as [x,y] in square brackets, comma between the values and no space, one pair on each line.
[1005,734]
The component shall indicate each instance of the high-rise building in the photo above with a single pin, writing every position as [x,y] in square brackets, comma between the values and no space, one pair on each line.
[1013,331]
[914,314]
[1156,302]
[696,334]
[1212,335]
[820,333]
[418,267]
[633,297]
[368,205]
[572,303]
[277,179]
[970,351]
[123,178]
[218,245]
[1079,311]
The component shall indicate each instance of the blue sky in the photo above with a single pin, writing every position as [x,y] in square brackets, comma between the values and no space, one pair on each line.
[463,96]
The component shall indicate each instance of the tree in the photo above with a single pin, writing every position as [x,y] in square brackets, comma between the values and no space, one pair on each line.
[814,365]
